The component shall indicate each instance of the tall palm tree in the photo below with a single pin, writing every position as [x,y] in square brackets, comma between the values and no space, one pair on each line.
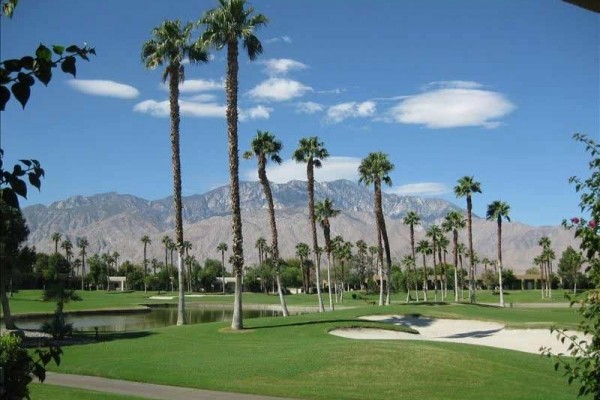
[154,263]
[434,232]
[462,251]
[424,248]
[411,219]
[266,147]
[260,244]
[187,246]
[312,152]
[56,238]
[169,46]
[374,169]
[67,246]
[498,210]
[486,261]
[82,243]
[344,254]
[302,252]
[145,241]
[226,26]
[442,247]
[222,247]
[361,254]
[166,241]
[466,187]
[324,211]
[452,223]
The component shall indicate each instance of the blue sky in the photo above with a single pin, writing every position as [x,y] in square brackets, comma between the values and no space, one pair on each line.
[493,89]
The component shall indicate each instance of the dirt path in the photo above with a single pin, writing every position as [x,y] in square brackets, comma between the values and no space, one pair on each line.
[147,390]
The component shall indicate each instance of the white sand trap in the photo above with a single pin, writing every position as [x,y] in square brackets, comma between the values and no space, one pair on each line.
[161,297]
[460,331]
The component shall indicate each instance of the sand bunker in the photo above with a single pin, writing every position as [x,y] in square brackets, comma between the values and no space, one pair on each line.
[460,331]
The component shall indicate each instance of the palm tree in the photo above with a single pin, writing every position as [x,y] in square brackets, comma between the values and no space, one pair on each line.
[266,147]
[222,247]
[324,211]
[361,253]
[453,222]
[67,246]
[411,219]
[466,187]
[172,248]
[375,169]
[154,263]
[442,248]
[434,232]
[169,46]
[344,253]
[82,244]
[225,26]
[56,238]
[302,252]
[311,151]
[187,246]
[166,241]
[497,210]
[146,241]
[486,261]
[462,250]
[424,248]
[260,244]
[546,265]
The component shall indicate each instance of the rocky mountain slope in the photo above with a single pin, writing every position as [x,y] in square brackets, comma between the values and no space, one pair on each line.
[116,222]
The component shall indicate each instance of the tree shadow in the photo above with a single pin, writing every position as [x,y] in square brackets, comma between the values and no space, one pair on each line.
[308,323]
[473,334]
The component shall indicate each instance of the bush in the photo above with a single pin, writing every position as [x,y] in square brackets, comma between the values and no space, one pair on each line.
[58,327]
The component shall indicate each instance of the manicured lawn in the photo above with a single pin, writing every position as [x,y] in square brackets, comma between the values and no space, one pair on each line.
[30,301]
[296,357]
[48,392]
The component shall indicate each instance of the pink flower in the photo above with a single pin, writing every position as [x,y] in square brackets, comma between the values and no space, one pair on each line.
[592,224]
[575,220]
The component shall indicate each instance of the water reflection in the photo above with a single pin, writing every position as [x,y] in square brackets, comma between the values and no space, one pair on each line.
[155,318]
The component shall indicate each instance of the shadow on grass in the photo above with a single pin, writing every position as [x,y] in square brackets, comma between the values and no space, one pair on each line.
[308,323]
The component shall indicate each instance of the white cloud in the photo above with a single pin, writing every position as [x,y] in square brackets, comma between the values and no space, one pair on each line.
[453,84]
[423,189]
[331,91]
[200,109]
[342,111]
[258,112]
[285,39]
[279,89]
[281,66]
[202,98]
[308,107]
[452,107]
[333,168]
[105,88]
[197,85]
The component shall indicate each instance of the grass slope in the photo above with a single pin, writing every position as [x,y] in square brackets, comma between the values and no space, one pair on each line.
[296,357]
[49,392]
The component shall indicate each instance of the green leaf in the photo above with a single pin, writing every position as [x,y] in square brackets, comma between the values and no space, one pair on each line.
[21,92]
[43,53]
[9,197]
[43,71]
[19,187]
[4,77]
[4,97]
[34,180]
[26,162]
[73,49]
[12,65]
[27,62]
[68,66]
[58,50]
[26,79]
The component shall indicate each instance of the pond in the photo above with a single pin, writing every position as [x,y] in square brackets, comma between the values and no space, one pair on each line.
[155,317]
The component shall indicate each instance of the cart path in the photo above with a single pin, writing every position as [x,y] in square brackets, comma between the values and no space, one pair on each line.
[146,390]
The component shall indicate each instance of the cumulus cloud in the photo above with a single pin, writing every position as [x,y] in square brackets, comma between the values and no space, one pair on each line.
[281,66]
[332,91]
[453,84]
[105,88]
[333,168]
[422,189]
[308,107]
[197,85]
[203,97]
[279,89]
[258,112]
[353,109]
[284,39]
[455,105]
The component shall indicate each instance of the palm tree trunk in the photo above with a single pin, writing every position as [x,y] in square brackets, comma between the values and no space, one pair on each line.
[435,288]
[472,264]
[500,262]
[455,248]
[223,271]
[424,278]
[331,307]
[9,321]
[262,174]
[313,227]
[145,266]
[386,243]
[380,264]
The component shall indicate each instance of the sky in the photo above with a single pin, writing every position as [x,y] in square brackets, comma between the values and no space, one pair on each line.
[492,89]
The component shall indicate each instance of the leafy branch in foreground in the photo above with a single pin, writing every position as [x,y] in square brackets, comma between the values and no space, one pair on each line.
[582,363]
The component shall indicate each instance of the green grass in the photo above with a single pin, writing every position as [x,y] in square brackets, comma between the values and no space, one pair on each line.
[296,357]
[30,301]
[44,391]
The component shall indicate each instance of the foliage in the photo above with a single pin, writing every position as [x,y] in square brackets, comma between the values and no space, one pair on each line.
[489,279]
[291,273]
[584,367]
[569,265]
[20,368]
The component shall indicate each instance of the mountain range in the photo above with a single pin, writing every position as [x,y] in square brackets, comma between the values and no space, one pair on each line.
[116,222]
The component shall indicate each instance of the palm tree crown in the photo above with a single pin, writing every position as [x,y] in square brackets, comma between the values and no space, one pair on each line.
[375,168]
[498,210]
[264,147]
[310,150]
